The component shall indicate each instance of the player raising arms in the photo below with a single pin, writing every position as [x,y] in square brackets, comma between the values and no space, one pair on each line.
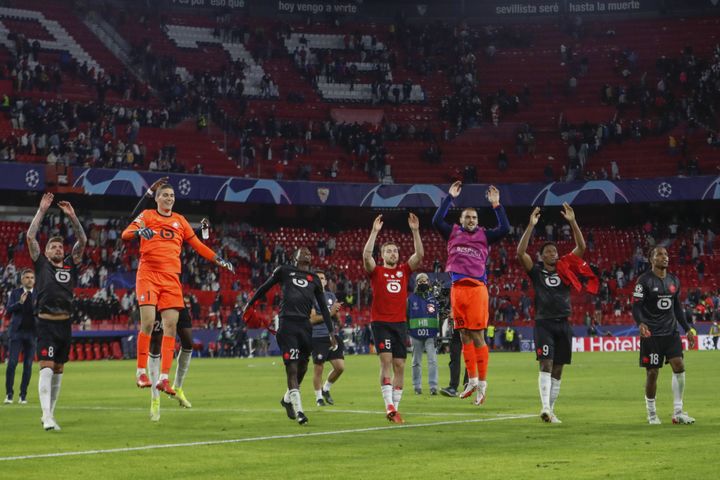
[301,291]
[162,233]
[657,310]
[388,311]
[468,249]
[56,277]
[553,333]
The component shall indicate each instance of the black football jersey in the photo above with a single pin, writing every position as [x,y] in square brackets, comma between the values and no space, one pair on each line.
[656,298]
[54,286]
[552,296]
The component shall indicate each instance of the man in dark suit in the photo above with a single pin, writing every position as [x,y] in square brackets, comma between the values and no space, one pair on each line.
[22,335]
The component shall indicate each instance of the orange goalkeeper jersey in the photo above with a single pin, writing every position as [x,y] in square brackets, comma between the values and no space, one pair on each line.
[162,252]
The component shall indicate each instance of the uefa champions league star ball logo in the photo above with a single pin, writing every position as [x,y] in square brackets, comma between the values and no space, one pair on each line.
[708,343]
[184,186]
[664,189]
[32,178]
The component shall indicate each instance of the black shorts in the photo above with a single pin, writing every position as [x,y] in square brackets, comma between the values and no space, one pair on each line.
[553,341]
[294,337]
[184,321]
[656,351]
[321,350]
[390,337]
[54,340]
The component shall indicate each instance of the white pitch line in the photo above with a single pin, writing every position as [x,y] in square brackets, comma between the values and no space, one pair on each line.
[270,410]
[257,439]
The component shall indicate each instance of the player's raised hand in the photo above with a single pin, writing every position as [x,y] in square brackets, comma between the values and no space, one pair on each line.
[455,189]
[413,221]
[46,201]
[156,184]
[568,212]
[645,331]
[66,208]
[535,216]
[377,224]
[493,195]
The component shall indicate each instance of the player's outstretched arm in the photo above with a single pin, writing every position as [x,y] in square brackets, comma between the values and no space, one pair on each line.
[569,215]
[368,260]
[521,254]
[81,238]
[415,260]
[31,237]
[438,220]
[264,288]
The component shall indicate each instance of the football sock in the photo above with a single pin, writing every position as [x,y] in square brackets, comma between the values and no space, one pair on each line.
[678,387]
[482,356]
[44,389]
[387,392]
[396,397]
[286,397]
[295,400]
[470,361]
[650,405]
[143,347]
[554,391]
[318,395]
[544,387]
[55,391]
[183,364]
[327,385]
[482,386]
[168,351]
[154,373]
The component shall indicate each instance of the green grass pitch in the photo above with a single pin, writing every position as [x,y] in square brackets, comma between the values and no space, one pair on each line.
[237,429]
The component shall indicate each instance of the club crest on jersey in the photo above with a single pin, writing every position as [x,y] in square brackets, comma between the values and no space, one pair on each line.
[399,274]
[394,286]
[175,224]
[62,276]
[142,298]
[552,281]
[672,288]
[431,308]
[300,282]
[309,278]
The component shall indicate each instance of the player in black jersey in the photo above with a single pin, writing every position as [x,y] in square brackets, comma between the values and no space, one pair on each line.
[553,334]
[56,275]
[657,310]
[301,291]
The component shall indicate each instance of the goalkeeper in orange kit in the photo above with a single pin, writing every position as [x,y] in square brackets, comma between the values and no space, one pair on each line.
[162,233]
